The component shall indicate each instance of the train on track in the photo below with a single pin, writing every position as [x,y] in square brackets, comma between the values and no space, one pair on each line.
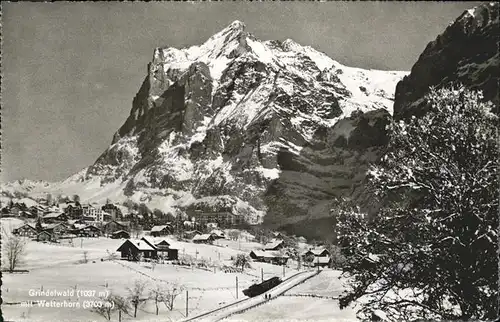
[257,289]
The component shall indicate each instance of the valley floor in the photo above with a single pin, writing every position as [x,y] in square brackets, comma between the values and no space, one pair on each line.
[61,267]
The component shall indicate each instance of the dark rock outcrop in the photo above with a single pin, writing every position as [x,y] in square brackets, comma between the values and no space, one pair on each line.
[466,52]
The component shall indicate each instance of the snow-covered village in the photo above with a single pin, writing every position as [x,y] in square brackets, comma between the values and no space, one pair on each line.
[265,163]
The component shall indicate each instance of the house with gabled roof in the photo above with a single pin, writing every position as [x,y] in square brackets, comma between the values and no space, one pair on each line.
[191,233]
[45,235]
[89,231]
[27,214]
[316,252]
[274,245]
[134,250]
[114,225]
[26,230]
[28,202]
[266,256]
[72,209]
[161,230]
[277,235]
[56,229]
[166,249]
[38,210]
[218,234]
[120,234]
[203,239]
[321,261]
[53,217]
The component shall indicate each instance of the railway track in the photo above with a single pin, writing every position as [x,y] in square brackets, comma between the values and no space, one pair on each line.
[248,303]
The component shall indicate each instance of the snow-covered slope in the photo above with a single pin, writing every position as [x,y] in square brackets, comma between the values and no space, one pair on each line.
[263,128]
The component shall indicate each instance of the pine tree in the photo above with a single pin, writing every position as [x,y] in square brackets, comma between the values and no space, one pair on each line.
[431,252]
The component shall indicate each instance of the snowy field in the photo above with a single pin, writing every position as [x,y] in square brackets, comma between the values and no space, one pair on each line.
[206,290]
[290,309]
[294,306]
[60,267]
[327,284]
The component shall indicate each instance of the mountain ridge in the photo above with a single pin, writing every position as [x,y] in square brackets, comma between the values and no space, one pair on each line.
[213,126]
[271,130]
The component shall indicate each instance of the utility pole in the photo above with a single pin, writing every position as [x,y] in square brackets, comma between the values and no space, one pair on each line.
[283,270]
[236,287]
[187,298]
[261,274]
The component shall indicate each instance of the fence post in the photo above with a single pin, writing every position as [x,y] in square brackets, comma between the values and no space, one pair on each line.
[236,287]
[187,298]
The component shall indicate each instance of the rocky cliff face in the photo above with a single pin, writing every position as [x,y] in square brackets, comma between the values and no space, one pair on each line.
[466,52]
[273,130]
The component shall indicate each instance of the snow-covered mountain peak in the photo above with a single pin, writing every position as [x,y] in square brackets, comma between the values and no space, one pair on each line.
[235,26]
[288,44]
[216,53]
[214,124]
[269,128]
[477,13]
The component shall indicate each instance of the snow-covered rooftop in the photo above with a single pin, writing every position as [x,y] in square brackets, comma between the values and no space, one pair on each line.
[53,215]
[27,201]
[202,237]
[269,254]
[273,244]
[159,228]
[140,244]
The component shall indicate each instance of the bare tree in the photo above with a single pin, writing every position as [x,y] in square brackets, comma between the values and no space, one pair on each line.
[136,294]
[157,294]
[13,248]
[105,309]
[111,256]
[121,304]
[171,292]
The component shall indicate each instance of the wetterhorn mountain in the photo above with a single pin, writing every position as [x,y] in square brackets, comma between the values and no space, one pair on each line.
[269,129]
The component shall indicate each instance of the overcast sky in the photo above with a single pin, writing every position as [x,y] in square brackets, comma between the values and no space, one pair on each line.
[71,70]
